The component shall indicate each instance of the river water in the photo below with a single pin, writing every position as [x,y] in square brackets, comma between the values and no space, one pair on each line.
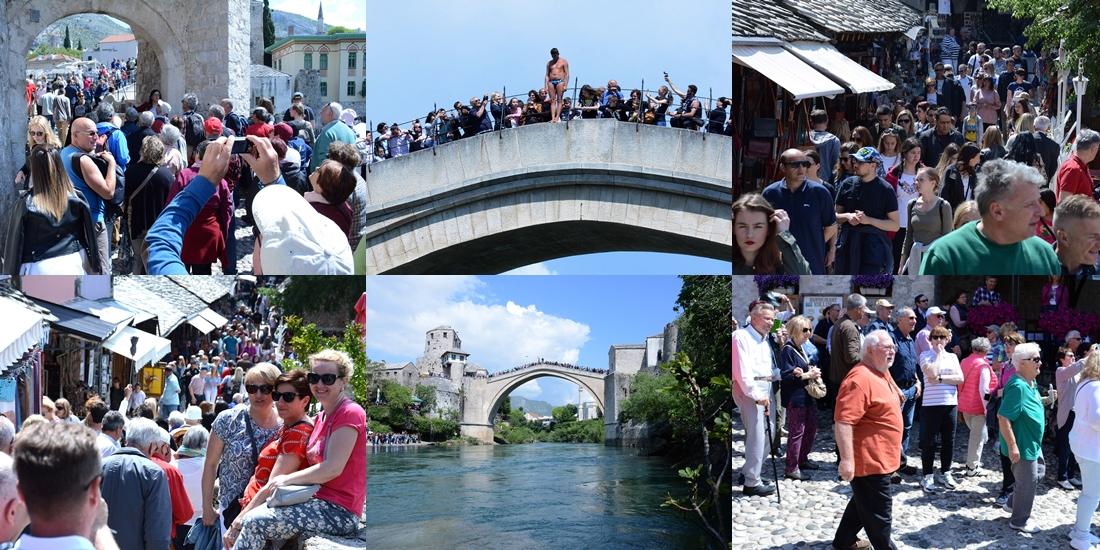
[539,495]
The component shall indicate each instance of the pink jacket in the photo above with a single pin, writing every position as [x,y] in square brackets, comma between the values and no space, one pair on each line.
[971,395]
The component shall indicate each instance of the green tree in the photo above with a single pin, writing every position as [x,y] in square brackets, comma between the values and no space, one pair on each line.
[427,397]
[1074,21]
[306,294]
[67,44]
[307,339]
[564,414]
[80,44]
[516,417]
[268,26]
[340,29]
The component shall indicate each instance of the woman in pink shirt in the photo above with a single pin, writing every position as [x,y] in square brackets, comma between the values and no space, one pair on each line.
[337,459]
[977,387]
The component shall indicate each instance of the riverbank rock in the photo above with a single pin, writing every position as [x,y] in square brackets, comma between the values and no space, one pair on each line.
[358,541]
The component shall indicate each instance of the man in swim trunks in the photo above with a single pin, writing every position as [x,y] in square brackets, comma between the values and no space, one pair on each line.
[557,79]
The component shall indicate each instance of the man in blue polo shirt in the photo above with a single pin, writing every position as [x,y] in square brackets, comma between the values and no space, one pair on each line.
[91,183]
[904,373]
[809,206]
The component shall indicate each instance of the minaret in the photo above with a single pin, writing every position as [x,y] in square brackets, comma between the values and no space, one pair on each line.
[320,18]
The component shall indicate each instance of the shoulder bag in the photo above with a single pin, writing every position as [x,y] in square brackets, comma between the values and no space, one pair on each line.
[289,495]
[815,387]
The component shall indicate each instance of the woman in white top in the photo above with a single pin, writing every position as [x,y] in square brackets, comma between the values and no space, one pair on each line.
[888,149]
[903,178]
[942,376]
[190,459]
[1084,439]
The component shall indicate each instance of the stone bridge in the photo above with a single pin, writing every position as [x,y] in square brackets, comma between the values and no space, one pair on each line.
[483,395]
[183,46]
[506,199]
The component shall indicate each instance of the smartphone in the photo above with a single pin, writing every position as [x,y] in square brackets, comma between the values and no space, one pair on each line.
[240,146]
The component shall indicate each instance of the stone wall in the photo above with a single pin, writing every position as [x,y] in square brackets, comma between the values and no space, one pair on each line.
[616,388]
[309,83]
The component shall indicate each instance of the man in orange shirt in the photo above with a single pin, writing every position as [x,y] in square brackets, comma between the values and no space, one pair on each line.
[868,433]
[1073,175]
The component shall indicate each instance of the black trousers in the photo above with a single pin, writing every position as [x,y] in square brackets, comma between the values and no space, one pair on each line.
[869,509]
[937,419]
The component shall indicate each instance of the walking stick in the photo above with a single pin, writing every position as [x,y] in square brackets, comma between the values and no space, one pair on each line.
[771,446]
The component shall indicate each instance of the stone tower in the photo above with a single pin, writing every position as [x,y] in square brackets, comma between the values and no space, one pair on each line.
[320,18]
[257,31]
[437,341]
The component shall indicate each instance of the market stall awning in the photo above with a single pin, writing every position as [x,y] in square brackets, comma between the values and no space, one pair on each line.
[839,67]
[772,60]
[78,323]
[213,318]
[140,346]
[203,325]
[20,331]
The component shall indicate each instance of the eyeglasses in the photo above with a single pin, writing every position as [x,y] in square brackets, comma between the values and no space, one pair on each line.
[798,164]
[287,397]
[1032,359]
[328,379]
[37,133]
[806,330]
[263,388]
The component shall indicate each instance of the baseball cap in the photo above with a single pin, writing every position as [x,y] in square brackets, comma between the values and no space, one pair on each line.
[1073,334]
[994,328]
[204,368]
[284,131]
[867,154]
[883,302]
[296,95]
[295,238]
[212,126]
[934,310]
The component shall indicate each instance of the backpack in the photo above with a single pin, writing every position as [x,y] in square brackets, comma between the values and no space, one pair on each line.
[193,132]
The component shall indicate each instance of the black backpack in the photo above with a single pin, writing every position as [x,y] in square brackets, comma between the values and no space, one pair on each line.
[193,132]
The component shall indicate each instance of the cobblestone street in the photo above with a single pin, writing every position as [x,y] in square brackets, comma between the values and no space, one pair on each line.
[966,517]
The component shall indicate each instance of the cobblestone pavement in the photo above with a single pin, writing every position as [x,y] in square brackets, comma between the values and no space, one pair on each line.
[245,243]
[966,517]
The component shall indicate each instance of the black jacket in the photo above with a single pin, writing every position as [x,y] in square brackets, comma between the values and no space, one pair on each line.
[932,145]
[953,191]
[32,236]
[294,177]
[952,97]
[1048,150]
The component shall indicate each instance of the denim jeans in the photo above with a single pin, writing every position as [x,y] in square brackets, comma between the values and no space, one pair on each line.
[907,409]
[1090,497]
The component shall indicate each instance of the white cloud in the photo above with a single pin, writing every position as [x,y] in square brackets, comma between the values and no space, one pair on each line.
[530,390]
[350,14]
[498,335]
[533,269]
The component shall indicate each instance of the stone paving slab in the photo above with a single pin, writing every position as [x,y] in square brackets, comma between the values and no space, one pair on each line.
[965,518]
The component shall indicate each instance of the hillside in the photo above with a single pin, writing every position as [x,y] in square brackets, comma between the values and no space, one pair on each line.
[88,28]
[541,408]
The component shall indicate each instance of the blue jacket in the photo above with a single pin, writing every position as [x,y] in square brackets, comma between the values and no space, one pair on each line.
[116,144]
[165,237]
[792,388]
[138,486]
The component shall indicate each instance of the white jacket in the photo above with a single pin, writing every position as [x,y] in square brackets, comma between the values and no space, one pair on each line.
[1084,438]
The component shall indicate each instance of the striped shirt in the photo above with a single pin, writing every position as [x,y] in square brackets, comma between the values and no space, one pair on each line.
[949,50]
[946,367]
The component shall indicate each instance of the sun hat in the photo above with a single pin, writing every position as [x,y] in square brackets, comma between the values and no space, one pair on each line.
[295,239]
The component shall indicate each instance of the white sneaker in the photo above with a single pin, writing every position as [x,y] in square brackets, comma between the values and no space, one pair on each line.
[946,480]
[1080,544]
[1089,537]
[928,483]
[1029,527]
[1065,484]
[1076,481]
[975,471]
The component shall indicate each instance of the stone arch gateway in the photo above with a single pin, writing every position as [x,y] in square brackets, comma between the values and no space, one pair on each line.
[183,46]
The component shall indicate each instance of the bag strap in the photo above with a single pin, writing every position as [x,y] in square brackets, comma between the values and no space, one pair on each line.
[251,438]
[130,201]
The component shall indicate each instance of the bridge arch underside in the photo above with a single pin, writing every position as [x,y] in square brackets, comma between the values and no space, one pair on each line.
[594,389]
[497,225]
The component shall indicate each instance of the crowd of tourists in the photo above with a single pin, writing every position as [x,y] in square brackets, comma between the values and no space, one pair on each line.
[541,361]
[390,438]
[146,191]
[963,180]
[890,370]
[492,111]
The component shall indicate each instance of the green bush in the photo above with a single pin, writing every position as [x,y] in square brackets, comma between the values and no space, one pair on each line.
[435,429]
[651,398]
[583,431]
[379,427]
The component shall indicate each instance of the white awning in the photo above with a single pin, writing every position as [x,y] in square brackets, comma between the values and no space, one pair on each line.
[19,332]
[786,70]
[140,346]
[839,67]
[203,325]
[213,318]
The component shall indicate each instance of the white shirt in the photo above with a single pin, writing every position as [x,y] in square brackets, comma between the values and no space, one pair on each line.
[293,156]
[945,366]
[1084,438]
[907,191]
[191,470]
[106,445]
[753,356]
[27,542]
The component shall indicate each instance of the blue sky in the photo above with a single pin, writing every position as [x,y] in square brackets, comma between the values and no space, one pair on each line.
[437,51]
[349,13]
[508,321]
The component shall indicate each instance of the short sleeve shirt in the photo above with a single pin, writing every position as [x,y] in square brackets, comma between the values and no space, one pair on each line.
[875,198]
[236,466]
[289,442]
[1022,406]
[810,209]
[869,401]
[349,489]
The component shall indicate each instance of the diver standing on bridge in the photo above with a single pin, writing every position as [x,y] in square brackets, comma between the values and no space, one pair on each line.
[557,80]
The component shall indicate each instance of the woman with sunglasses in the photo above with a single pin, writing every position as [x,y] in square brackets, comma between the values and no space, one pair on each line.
[236,438]
[337,461]
[942,377]
[38,133]
[50,230]
[796,369]
[906,121]
[843,168]
[286,453]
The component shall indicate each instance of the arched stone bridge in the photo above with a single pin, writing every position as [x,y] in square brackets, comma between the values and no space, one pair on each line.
[506,199]
[483,395]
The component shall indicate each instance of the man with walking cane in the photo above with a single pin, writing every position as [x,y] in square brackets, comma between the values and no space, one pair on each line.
[752,376]
[868,428]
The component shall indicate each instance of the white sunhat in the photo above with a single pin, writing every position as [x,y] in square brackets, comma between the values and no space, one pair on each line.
[295,238]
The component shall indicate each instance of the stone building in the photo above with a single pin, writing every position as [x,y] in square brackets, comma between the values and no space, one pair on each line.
[339,60]
[624,362]
[116,46]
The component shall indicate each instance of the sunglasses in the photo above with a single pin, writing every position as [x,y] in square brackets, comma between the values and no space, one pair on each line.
[1032,359]
[327,379]
[938,338]
[904,120]
[287,397]
[806,330]
[798,164]
[263,388]
[37,133]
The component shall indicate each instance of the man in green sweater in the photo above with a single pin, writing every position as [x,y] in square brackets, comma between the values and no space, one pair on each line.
[332,129]
[1003,241]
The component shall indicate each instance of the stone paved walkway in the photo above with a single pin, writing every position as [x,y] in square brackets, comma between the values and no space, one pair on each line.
[964,518]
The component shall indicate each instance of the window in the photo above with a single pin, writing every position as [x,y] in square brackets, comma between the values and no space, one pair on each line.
[324,61]
[351,60]
[309,61]
[324,89]
[351,88]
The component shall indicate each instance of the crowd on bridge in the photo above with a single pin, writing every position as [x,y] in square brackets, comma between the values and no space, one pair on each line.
[389,438]
[883,373]
[123,188]
[543,362]
[963,179]
[493,112]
